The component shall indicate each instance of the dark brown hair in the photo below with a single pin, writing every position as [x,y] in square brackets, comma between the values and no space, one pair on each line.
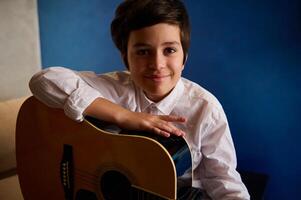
[136,14]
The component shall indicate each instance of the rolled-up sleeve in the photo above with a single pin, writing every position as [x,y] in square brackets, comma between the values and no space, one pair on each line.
[60,87]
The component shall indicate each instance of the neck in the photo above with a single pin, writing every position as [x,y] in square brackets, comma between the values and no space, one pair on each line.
[156,98]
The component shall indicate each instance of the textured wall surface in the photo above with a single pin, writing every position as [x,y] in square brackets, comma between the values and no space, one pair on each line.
[19,46]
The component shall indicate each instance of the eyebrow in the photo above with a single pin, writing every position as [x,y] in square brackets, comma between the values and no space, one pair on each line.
[141,44]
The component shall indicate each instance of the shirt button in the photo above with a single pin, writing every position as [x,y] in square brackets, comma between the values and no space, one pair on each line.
[152,109]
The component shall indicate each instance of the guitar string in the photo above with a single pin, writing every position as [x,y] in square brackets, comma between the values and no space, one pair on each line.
[86,177]
[86,173]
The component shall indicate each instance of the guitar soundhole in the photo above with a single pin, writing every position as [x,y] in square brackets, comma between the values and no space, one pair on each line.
[115,186]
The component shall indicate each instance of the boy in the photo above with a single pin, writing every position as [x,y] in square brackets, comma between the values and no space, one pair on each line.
[153,38]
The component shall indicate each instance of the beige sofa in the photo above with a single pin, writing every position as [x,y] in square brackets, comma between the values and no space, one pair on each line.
[9,184]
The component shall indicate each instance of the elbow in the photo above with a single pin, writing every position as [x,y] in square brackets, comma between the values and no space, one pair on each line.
[35,82]
[39,79]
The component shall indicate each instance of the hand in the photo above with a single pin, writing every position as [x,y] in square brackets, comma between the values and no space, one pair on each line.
[158,124]
[105,110]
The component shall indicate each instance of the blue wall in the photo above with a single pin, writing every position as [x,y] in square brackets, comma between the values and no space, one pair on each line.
[246,52]
[77,34]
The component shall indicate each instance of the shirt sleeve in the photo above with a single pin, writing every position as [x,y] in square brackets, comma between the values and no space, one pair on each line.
[62,88]
[220,178]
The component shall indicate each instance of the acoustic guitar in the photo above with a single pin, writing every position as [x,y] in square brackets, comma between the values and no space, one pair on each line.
[58,158]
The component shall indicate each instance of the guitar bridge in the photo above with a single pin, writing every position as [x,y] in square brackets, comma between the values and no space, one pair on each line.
[66,171]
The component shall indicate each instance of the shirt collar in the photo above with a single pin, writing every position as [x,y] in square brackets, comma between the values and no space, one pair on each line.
[167,104]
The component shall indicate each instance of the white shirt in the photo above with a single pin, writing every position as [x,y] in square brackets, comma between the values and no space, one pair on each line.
[207,130]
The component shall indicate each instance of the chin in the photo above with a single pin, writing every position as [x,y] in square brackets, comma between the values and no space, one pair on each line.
[159,94]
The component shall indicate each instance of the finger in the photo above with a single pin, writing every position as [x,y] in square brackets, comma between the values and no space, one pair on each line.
[173,118]
[178,132]
[161,132]
[168,127]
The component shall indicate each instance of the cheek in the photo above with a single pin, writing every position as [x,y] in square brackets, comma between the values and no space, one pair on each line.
[138,68]
[176,63]
[176,66]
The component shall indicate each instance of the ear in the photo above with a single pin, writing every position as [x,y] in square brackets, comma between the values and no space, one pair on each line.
[184,62]
[185,59]
[125,60]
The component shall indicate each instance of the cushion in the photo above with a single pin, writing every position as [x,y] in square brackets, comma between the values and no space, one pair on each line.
[8,116]
[10,188]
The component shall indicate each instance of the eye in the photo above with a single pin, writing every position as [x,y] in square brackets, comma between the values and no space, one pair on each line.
[142,52]
[169,50]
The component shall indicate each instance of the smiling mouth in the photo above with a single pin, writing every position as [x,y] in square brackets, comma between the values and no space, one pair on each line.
[156,78]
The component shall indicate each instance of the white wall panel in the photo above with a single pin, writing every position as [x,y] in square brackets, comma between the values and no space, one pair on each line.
[19,46]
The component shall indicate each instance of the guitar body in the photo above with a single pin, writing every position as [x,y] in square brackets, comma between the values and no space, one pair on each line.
[58,158]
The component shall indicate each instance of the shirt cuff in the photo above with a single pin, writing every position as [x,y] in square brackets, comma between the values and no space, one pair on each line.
[78,101]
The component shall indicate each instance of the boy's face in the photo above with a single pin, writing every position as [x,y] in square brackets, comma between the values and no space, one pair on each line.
[155,59]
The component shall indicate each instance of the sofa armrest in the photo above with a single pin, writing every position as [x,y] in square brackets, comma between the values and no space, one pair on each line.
[8,115]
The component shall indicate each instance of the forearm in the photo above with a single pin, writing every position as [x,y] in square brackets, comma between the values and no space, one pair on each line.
[105,110]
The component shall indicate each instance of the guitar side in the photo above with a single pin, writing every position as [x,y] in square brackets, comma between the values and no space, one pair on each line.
[41,134]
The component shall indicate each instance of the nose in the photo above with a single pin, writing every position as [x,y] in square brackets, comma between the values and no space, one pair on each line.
[157,61]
